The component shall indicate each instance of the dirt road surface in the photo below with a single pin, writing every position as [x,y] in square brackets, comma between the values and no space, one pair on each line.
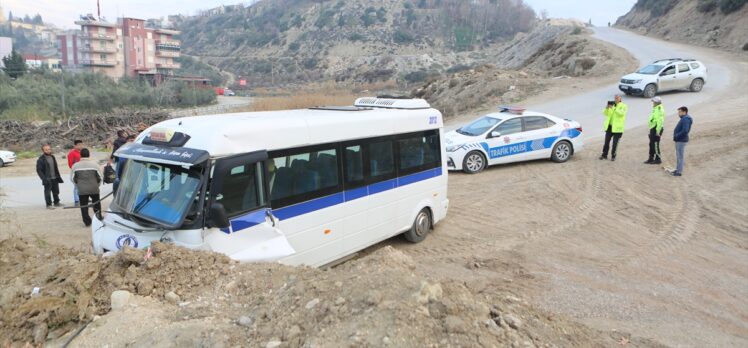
[618,246]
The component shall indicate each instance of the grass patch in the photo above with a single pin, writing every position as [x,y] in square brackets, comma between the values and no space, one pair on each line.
[27,154]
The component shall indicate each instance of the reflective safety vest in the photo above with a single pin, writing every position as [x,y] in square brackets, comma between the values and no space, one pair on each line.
[616,117]
[657,118]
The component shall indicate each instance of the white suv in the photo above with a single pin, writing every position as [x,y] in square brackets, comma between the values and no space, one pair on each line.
[665,75]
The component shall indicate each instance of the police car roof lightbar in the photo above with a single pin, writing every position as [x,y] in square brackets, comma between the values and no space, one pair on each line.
[517,110]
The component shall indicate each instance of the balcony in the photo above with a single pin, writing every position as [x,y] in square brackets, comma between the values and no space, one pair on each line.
[93,36]
[172,54]
[99,49]
[168,65]
[98,62]
[168,43]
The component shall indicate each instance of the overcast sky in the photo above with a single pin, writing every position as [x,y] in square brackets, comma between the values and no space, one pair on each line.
[64,12]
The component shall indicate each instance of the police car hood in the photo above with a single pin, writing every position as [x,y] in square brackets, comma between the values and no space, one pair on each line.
[453,138]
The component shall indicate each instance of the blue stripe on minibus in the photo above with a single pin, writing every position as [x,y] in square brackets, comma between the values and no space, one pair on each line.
[257,217]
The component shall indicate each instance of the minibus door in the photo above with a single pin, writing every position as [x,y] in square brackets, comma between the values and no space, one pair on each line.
[239,195]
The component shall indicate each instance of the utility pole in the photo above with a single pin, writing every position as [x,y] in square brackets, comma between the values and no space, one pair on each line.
[62,83]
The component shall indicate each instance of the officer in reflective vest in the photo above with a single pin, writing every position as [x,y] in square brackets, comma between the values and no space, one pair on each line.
[656,119]
[615,121]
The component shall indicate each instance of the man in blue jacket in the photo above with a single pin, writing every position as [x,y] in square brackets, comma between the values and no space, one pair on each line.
[680,136]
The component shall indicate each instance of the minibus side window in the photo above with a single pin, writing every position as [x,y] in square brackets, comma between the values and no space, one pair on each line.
[381,158]
[241,191]
[419,152]
[354,164]
[303,174]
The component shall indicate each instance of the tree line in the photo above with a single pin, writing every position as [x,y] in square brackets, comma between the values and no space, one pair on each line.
[38,94]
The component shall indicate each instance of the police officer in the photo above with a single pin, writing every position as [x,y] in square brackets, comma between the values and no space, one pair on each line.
[615,120]
[656,119]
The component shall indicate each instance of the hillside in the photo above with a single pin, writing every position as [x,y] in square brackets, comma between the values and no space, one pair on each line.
[712,23]
[295,41]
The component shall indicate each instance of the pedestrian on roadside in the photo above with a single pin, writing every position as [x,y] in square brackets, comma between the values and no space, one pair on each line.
[74,156]
[46,168]
[680,136]
[121,139]
[656,120]
[615,120]
[121,166]
[86,177]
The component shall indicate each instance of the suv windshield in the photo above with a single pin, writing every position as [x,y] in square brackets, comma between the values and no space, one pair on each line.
[479,126]
[650,69]
[157,192]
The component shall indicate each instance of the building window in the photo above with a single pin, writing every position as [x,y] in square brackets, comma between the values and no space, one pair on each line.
[103,57]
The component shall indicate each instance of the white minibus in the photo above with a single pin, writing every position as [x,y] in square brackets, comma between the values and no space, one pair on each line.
[298,186]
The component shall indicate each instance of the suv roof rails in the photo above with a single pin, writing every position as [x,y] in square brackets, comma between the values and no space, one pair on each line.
[675,60]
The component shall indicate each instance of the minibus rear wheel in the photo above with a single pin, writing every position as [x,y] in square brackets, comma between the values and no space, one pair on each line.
[421,227]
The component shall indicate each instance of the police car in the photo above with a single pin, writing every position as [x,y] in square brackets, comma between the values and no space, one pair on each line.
[512,135]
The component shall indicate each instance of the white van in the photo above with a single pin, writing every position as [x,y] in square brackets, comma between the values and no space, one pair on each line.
[300,186]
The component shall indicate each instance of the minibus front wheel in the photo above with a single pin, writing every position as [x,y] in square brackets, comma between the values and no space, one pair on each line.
[421,227]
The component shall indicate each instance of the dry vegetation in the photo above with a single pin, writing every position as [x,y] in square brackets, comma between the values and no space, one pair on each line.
[327,93]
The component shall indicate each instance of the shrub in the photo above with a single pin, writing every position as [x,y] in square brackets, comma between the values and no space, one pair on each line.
[402,37]
[458,68]
[577,30]
[294,46]
[730,6]
[587,63]
[706,5]
[356,37]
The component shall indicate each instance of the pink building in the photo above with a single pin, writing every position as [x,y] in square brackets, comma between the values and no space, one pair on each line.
[127,48]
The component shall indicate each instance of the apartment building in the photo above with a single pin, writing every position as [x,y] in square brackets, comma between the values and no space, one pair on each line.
[125,48]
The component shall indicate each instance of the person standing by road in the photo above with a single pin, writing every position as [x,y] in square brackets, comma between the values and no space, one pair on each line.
[615,121]
[86,177]
[46,168]
[680,136]
[121,140]
[656,119]
[74,156]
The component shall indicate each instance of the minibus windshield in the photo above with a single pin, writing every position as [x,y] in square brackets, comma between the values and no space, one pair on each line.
[157,192]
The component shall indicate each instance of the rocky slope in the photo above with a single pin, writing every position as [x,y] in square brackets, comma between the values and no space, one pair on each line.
[295,41]
[713,23]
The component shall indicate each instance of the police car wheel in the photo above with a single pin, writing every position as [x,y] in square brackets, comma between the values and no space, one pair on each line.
[421,227]
[474,162]
[2,164]
[561,152]
[696,85]
[650,90]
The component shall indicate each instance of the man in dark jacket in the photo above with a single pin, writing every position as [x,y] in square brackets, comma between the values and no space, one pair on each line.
[46,168]
[680,136]
[121,140]
[86,177]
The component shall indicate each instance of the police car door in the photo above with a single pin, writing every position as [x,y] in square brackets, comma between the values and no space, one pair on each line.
[536,129]
[239,190]
[506,142]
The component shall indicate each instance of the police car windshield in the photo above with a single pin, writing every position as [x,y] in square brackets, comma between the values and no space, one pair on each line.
[650,69]
[479,126]
[156,192]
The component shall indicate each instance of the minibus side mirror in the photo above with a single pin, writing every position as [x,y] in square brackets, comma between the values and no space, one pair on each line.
[218,216]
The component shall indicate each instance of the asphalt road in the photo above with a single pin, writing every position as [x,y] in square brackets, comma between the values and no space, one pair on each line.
[586,107]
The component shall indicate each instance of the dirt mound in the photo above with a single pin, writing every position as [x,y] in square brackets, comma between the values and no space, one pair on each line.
[471,89]
[193,297]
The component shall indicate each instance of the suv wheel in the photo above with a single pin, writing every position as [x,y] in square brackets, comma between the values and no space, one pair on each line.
[650,90]
[696,85]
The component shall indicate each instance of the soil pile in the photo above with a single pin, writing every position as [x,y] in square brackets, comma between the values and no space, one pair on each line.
[202,298]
